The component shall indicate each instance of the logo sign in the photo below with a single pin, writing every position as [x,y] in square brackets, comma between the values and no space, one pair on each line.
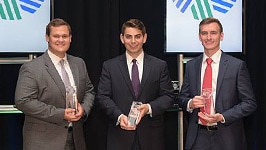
[183,18]
[22,25]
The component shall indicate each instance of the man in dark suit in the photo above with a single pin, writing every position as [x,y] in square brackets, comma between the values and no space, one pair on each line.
[41,95]
[232,95]
[116,94]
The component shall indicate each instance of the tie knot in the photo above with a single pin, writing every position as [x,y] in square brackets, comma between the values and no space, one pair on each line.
[62,62]
[209,61]
[134,61]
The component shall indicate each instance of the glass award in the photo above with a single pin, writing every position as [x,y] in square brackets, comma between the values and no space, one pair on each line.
[71,97]
[207,94]
[134,113]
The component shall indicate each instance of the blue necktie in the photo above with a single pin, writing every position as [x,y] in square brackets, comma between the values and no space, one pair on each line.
[135,77]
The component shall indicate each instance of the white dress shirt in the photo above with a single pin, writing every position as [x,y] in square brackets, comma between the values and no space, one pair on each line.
[140,61]
[55,59]
[215,71]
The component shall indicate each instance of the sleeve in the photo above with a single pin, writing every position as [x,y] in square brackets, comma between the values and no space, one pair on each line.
[28,93]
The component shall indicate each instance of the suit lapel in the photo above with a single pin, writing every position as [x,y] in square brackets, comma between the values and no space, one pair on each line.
[124,71]
[198,74]
[222,69]
[146,71]
[54,74]
[197,68]
[75,71]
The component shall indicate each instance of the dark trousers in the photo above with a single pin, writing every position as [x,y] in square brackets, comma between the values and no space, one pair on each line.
[208,140]
[136,145]
[70,145]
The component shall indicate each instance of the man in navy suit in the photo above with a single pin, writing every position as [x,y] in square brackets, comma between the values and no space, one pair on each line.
[232,95]
[115,94]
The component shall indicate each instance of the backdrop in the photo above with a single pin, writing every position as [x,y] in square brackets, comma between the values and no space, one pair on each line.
[96,28]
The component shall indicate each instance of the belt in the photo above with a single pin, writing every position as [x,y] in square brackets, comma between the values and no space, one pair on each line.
[209,128]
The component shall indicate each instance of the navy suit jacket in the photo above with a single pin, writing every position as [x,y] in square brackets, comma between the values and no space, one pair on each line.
[115,95]
[234,100]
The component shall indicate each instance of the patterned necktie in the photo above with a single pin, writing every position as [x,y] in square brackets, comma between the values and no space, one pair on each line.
[69,89]
[207,89]
[135,77]
[64,74]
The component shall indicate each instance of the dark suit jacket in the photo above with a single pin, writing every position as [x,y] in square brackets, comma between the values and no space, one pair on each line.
[115,95]
[234,100]
[40,95]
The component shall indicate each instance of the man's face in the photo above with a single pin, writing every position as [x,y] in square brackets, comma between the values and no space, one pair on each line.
[59,40]
[210,37]
[133,39]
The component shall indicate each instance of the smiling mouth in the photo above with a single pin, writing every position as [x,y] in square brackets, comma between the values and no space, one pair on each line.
[61,45]
[134,46]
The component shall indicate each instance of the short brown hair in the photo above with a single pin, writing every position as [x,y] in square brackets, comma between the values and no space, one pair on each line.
[56,23]
[211,20]
[133,23]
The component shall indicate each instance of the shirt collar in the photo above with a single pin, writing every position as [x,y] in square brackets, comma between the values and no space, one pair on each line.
[139,58]
[55,59]
[215,57]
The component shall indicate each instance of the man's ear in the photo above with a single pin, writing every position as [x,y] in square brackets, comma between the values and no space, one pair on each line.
[46,38]
[122,38]
[222,36]
[145,38]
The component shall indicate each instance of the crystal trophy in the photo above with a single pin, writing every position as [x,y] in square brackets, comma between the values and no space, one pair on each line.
[207,94]
[71,97]
[134,113]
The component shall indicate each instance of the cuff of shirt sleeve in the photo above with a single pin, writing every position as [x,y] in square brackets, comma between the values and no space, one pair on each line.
[118,119]
[223,121]
[188,108]
[150,110]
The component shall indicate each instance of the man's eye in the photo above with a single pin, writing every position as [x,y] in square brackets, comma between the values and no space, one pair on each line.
[56,36]
[65,36]
[138,36]
[214,33]
[128,36]
[203,33]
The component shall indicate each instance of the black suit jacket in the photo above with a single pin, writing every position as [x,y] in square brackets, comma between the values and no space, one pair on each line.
[115,95]
[234,100]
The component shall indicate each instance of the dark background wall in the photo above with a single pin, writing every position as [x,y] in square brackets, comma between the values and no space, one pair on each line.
[96,27]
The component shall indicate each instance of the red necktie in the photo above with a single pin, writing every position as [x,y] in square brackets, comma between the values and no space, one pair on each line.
[207,89]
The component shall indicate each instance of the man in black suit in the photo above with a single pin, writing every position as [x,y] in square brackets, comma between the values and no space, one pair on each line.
[116,94]
[232,95]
